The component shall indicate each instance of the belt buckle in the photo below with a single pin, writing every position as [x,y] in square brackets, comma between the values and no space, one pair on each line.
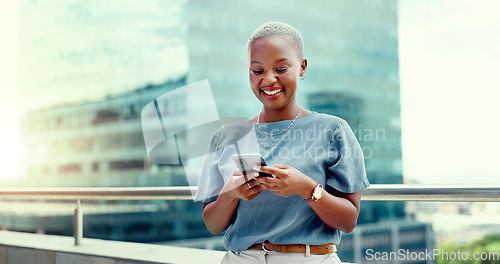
[265,249]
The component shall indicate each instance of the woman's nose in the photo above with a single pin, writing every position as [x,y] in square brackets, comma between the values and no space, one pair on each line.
[269,78]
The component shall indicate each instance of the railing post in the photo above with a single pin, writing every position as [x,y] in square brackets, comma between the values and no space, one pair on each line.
[429,240]
[395,241]
[78,224]
[357,245]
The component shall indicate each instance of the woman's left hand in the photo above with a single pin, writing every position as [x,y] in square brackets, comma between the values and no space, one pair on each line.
[289,181]
[337,210]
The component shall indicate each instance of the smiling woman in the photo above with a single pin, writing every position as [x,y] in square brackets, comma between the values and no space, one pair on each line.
[291,211]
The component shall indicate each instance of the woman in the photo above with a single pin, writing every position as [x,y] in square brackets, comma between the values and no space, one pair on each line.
[297,216]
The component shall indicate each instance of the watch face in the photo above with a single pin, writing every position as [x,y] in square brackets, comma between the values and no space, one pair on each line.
[318,191]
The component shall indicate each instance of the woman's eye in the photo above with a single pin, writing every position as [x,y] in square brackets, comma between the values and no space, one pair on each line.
[257,72]
[281,69]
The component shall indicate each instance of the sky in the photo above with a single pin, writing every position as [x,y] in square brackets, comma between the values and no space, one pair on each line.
[9,87]
[448,54]
[100,49]
[450,87]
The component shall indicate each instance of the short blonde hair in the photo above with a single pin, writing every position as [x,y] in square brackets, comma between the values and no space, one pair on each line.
[278,29]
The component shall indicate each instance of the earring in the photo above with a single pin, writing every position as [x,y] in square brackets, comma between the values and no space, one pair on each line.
[302,77]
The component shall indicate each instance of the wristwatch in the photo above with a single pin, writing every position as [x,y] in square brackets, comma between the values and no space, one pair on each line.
[316,194]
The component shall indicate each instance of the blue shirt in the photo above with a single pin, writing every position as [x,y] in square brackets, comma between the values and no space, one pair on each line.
[321,146]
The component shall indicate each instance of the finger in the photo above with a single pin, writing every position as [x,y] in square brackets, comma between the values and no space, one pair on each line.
[237,173]
[257,189]
[281,166]
[249,194]
[267,183]
[252,176]
[249,177]
[263,180]
[270,170]
[251,184]
[254,194]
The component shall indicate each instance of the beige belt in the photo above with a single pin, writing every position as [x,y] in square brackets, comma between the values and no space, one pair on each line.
[295,248]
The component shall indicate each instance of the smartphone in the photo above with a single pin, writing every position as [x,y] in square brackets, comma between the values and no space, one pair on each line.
[246,162]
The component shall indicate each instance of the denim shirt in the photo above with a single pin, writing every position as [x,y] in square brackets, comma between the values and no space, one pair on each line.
[321,146]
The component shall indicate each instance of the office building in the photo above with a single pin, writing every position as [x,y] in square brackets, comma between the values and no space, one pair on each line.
[100,144]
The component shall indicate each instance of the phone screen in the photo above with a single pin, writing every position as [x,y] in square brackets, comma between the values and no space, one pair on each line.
[246,162]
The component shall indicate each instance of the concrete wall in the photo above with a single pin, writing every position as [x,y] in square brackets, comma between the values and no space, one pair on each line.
[24,248]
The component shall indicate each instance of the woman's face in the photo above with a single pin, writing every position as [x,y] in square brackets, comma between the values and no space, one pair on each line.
[275,69]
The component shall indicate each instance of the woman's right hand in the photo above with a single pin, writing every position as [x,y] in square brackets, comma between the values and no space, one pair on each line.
[238,188]
[218,214]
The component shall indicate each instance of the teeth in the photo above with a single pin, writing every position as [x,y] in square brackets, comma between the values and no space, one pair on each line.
[272,92]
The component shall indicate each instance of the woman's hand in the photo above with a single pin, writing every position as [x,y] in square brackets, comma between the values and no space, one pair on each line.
[289,181]
[238,188]
[337,210]
[218,214]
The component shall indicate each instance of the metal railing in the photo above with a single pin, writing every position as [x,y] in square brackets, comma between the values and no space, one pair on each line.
[376,192]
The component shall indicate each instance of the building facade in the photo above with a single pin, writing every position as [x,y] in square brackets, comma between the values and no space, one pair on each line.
[100,144]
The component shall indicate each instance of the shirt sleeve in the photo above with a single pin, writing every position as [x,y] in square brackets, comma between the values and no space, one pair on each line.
[346,169]
[211,181]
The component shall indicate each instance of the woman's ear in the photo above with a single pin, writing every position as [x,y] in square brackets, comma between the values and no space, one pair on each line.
[303,67]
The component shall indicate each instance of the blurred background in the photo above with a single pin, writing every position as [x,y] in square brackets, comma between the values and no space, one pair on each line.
[416,80]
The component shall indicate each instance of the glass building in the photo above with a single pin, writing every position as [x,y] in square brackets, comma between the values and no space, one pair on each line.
[89,144]
[100,144]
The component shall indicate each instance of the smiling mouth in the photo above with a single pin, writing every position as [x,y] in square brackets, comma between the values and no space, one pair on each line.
[272,92]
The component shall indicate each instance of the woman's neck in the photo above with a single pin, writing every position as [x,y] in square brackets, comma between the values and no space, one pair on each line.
[273,115]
